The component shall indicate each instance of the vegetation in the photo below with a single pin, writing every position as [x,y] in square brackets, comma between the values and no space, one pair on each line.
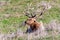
[11,14]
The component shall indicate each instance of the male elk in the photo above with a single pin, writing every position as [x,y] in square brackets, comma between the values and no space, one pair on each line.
[34,25]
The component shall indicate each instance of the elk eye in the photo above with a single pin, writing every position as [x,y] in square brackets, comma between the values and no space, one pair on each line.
[34,21]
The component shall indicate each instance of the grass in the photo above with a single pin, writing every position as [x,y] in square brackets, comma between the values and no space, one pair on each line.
[11,23]
[51,38]
[51,14]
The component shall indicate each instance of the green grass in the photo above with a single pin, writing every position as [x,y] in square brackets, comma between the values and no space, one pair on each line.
[11,23]
[53,13]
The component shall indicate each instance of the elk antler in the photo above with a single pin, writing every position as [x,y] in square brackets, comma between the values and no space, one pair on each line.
[42,11]
[33,15]
[29,14]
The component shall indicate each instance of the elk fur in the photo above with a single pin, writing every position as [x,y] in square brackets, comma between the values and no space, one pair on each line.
[34,25]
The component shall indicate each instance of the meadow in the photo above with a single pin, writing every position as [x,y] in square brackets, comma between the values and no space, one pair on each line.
[12,15]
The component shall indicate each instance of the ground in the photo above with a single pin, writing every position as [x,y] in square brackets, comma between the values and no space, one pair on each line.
[12,14]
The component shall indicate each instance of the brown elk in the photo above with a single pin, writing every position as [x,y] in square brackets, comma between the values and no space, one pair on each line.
[31,21]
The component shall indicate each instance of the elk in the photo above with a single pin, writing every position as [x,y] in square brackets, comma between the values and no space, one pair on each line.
[32,16]
[32,22]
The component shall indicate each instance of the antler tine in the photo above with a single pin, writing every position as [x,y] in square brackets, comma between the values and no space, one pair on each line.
[42,11]
[27,15]
[33,15]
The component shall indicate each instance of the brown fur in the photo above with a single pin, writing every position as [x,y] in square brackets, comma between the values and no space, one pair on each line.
[34,25]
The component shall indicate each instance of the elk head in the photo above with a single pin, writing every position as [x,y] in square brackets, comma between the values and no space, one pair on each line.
[31,19]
